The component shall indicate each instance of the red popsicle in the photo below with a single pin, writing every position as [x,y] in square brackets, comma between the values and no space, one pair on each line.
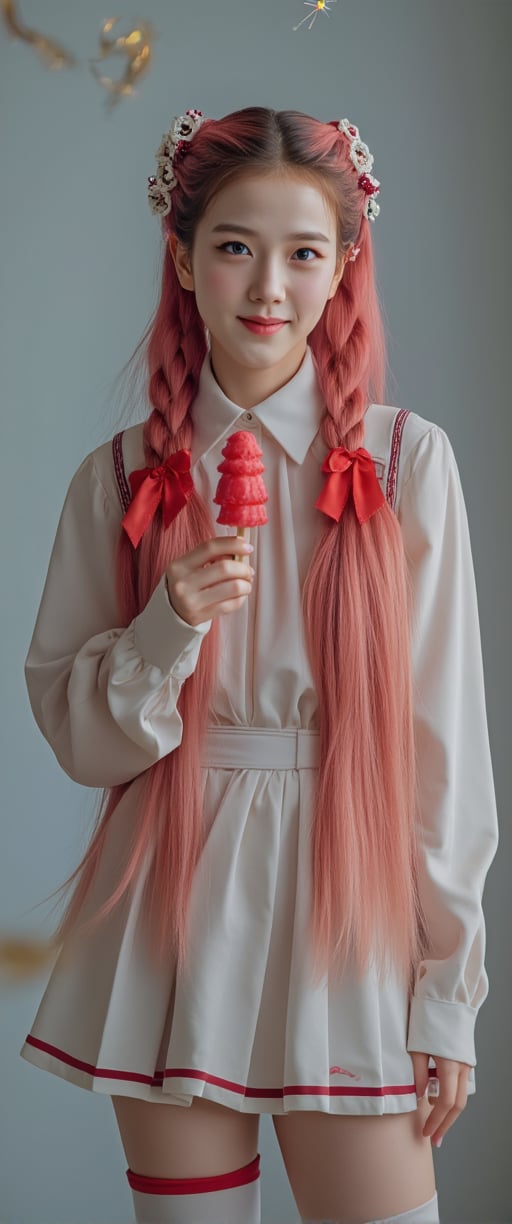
[241,491]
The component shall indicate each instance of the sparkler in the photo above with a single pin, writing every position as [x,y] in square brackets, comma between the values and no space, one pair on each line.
[320,6]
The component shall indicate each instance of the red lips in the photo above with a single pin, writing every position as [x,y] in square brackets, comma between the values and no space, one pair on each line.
[262,320]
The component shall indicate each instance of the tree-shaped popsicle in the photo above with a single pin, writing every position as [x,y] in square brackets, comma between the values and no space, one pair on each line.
[241,491]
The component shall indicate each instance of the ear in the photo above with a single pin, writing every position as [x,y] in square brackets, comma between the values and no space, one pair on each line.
[181,261]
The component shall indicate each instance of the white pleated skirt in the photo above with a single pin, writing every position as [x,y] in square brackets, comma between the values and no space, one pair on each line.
[243,1025]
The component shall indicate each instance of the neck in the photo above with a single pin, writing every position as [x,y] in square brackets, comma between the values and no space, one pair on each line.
[246,386]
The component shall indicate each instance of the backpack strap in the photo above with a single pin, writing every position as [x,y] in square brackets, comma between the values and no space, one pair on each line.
[394,457]
[125,495]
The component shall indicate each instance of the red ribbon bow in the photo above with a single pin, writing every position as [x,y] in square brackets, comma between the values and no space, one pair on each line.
[169,485]
[350,470]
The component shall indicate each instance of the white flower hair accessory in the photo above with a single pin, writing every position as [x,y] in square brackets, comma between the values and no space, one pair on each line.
[176,141]
[172,146]
[362,160]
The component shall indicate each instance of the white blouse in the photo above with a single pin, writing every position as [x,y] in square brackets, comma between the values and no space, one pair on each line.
[105,696]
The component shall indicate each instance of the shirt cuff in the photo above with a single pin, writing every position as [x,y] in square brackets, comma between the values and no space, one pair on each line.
[444,1028]
[161,636]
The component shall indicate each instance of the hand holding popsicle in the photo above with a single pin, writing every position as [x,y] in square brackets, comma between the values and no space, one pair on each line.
[241,491]
[203,583]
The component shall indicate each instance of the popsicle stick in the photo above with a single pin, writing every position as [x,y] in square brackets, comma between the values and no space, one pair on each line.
[240,531]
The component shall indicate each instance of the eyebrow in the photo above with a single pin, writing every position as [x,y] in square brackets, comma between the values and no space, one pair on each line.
[229,227]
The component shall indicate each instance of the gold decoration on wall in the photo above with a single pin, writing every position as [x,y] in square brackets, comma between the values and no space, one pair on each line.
[21,957]
[52,53]
[135,47]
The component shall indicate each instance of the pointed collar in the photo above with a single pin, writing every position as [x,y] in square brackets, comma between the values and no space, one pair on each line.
[292,414]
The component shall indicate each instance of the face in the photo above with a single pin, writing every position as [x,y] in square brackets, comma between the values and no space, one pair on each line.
[284,269]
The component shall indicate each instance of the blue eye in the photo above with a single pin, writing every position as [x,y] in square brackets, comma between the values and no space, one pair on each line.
[234,242]
[227,244]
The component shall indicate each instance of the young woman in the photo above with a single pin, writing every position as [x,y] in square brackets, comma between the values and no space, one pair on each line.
[280,910]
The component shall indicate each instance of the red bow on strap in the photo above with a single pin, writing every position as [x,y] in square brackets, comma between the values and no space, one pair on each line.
[169,485]
[350,470]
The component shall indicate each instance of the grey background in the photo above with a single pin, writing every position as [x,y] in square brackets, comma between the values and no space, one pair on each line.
[428,84]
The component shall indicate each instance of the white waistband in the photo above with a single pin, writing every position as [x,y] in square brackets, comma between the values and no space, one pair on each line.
[260,748]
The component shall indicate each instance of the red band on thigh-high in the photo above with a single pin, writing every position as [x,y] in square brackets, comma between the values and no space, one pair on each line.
[194,1185]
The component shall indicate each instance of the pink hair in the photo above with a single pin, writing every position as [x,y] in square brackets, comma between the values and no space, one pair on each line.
[356,596]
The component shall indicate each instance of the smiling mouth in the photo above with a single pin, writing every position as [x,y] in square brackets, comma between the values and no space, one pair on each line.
[270,326]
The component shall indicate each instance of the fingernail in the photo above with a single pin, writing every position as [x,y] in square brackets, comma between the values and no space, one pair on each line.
[437,1142]
[248,548]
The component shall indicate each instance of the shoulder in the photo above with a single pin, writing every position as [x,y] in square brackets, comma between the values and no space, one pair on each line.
[102,465]
[398,439]
[382,420]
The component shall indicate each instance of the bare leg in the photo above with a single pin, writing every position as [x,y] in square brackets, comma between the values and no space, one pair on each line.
[200,1140]
[194,1164]
[353,1169]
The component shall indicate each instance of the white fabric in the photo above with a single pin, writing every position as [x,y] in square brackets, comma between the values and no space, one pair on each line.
[238,1205]
[426,1213]
[245,1027]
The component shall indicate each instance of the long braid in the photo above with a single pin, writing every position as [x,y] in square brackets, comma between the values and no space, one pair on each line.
[175,356]
[362,672]
[345,372]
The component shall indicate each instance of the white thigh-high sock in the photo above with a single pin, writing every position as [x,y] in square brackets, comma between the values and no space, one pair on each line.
[227,1198]
[426,1213]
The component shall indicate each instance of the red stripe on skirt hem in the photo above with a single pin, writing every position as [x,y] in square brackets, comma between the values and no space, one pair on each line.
[216,1080]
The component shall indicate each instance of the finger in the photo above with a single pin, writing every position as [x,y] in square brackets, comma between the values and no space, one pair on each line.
[235,548]
[222,588]
[420,1065]
[226,606]
[450,1118]
[448,1081]
[449,1097]
[460,1104]
[209,551]
[448,1071]
[217,575]
[229,544]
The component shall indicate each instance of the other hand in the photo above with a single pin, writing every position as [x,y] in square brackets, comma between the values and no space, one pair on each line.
[453,1091]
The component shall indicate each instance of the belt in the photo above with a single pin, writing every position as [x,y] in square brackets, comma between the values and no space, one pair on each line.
[260,748]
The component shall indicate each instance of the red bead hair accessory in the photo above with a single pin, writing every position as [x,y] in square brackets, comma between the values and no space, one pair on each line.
[170,485]
[350,471]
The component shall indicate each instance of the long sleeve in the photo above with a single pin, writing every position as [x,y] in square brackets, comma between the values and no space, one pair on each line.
[104,697]
[457,818]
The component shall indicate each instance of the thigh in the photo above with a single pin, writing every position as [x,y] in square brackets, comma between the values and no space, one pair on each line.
[199,1140]
[355,1169]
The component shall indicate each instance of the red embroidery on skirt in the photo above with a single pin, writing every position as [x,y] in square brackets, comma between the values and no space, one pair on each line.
[343,1071]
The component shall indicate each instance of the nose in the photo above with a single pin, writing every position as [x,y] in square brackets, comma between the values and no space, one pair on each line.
[268,281]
